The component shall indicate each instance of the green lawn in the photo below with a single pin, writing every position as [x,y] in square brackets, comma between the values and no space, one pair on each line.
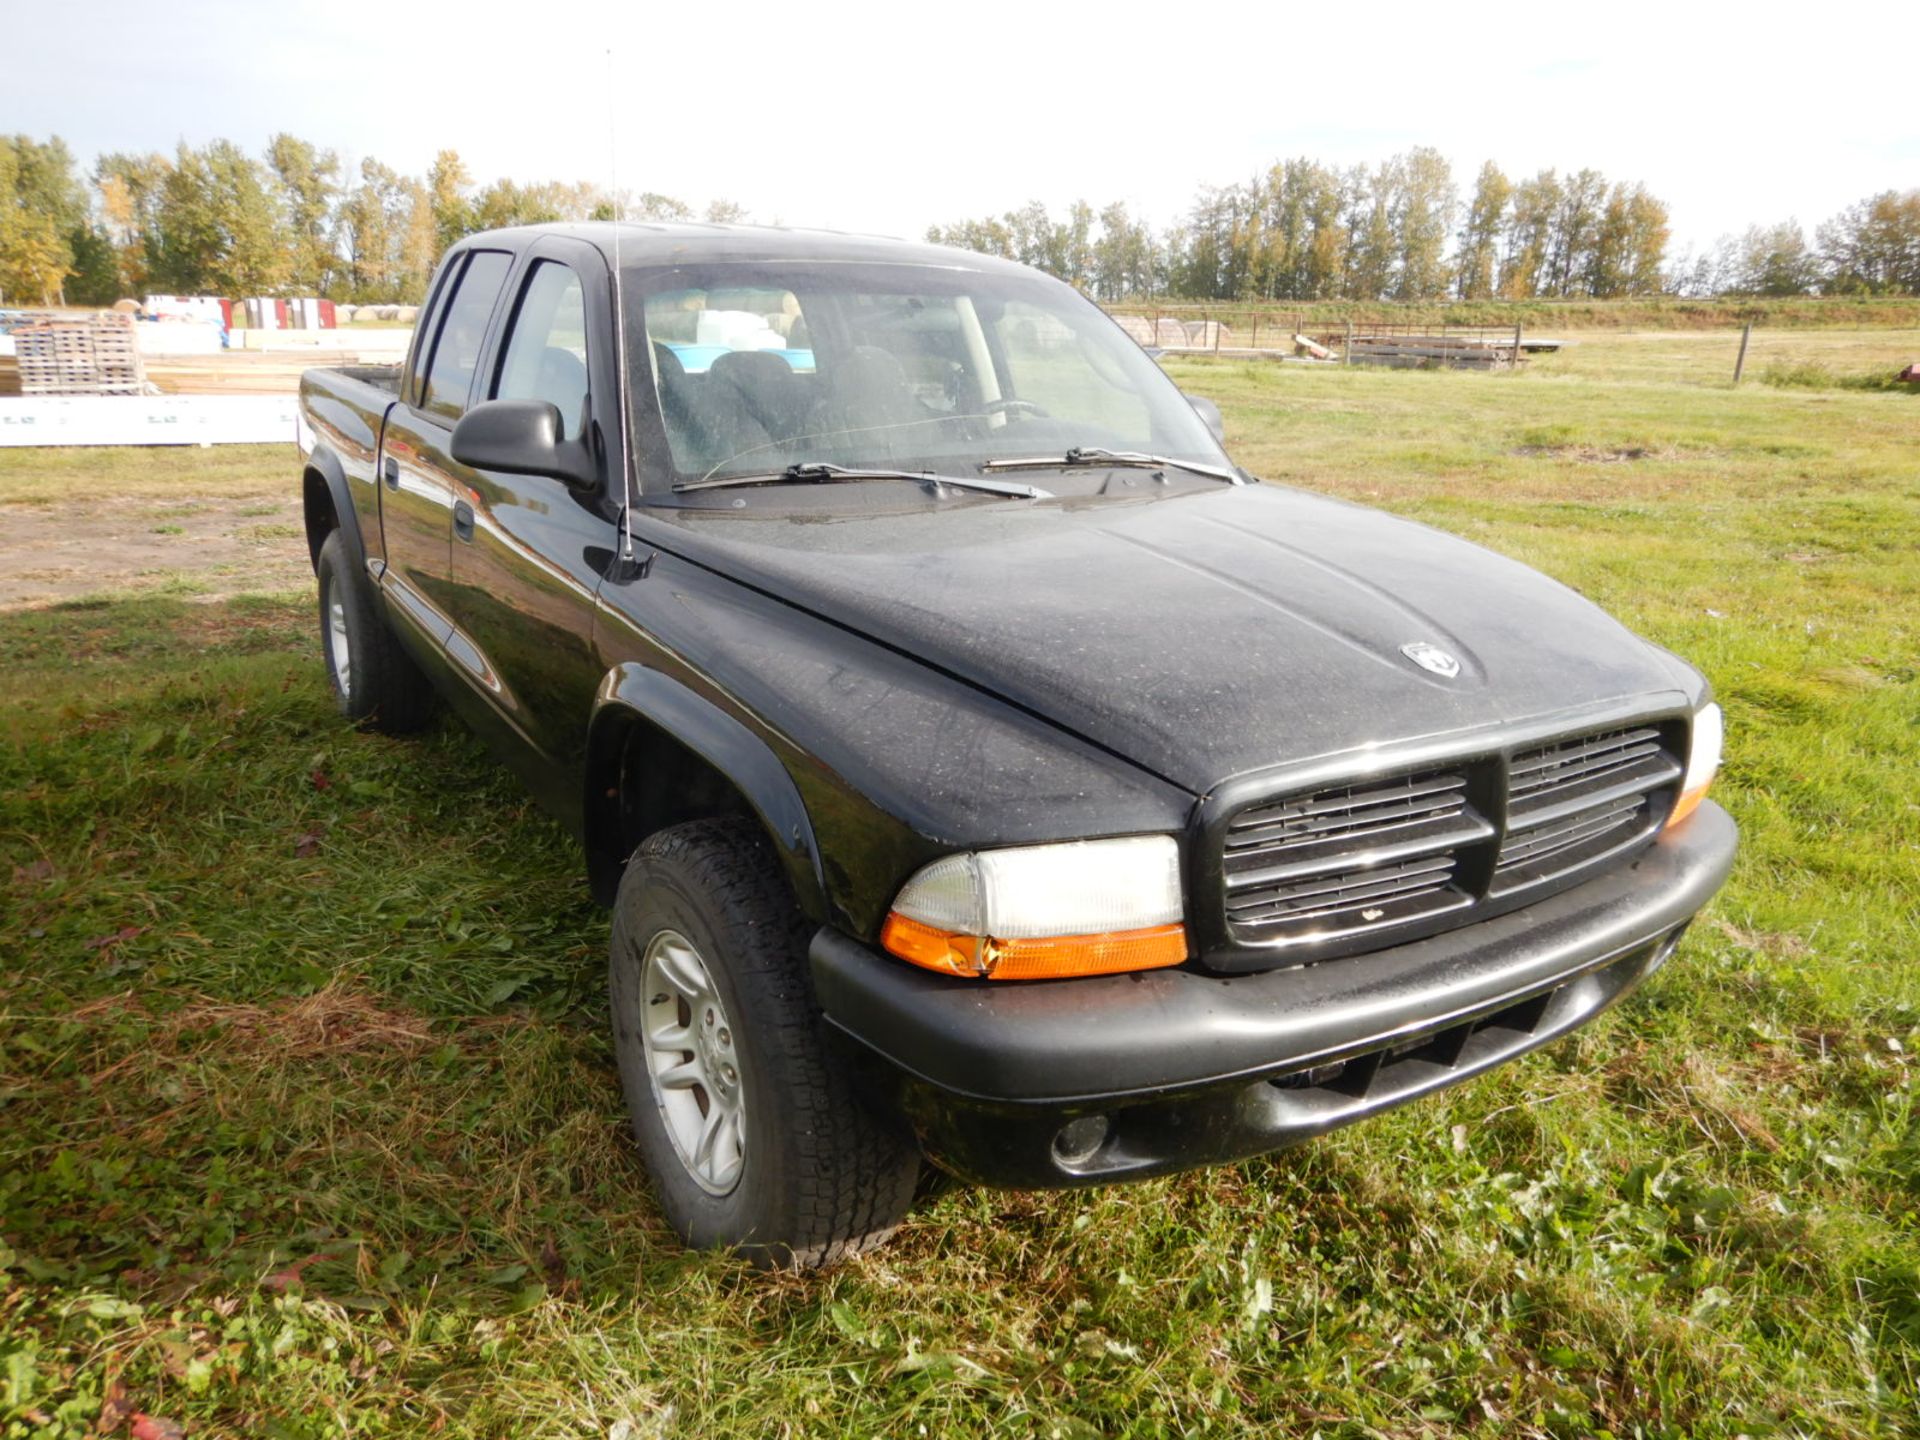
[307,1124]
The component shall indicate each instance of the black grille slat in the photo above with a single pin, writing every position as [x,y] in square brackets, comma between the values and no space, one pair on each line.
[1328,869]
[1589,790]
[1350,859]
[1598,770]
[1351,797]
[1574,803]
[1351,828]
[1559,758]
[1346,813]
[1537,842]
[1350,889]
[1375,913]
[1339,825]
[1380,847]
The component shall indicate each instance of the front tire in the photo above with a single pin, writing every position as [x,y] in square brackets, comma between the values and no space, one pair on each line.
[374,682]
[749,1127]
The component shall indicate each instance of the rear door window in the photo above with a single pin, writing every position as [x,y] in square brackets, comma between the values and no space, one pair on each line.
[456,352]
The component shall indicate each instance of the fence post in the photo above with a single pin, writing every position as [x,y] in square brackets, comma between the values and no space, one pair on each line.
[1746,334]
[1216,334]
[1516,345]
[1346,355]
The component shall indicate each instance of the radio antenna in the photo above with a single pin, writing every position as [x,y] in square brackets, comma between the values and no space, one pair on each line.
[620,359]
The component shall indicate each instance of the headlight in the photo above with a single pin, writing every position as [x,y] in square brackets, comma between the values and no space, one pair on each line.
[1042,911]
[1703,759]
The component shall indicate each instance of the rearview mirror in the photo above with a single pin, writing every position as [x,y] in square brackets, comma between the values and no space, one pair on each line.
[523,437]
[1210,414]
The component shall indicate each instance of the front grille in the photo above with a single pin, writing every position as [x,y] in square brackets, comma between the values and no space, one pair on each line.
[1575,802]
[1328,869]
[1351,858]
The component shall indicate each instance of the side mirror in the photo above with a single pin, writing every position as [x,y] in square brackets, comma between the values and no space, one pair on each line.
[1207,411]
[522,437]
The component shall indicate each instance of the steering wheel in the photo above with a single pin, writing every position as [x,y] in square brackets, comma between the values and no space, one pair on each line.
[1003,407]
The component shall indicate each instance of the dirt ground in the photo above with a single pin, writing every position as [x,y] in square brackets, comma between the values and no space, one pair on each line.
[100,538]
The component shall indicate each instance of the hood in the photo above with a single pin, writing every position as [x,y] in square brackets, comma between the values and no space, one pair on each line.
[1203,635]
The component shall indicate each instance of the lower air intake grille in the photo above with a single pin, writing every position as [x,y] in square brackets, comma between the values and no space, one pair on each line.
[1577,801]
[1350,859]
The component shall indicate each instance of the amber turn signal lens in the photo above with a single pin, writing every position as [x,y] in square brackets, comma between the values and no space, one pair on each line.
[1050,957]
[1688,802]
[1703,761]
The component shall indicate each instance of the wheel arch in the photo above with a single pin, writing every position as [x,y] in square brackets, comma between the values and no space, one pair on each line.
[327,506]
[649,729]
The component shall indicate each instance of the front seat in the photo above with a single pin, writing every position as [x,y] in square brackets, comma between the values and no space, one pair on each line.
[764,385]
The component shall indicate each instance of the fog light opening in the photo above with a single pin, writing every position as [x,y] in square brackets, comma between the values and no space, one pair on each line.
[1078,1141]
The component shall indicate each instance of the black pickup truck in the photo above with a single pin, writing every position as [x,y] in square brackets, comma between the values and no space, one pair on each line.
[980,766]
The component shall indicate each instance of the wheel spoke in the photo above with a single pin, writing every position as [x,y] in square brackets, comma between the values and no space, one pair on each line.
[672,1037]
[682,970]
[728,1145]
[684,1076]
[709,1134]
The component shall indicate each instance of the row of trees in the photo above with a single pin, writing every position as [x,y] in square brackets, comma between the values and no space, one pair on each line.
[1400,230]
[299,220]
[1870,248]
[215,220]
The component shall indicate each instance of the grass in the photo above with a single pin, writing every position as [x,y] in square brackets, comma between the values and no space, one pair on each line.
[307,1124]
[110,473]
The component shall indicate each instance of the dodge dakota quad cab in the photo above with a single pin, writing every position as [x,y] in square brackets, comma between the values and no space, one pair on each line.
[980,766]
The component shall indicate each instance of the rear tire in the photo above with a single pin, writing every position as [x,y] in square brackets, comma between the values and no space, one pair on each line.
[374,682]
[748,1124]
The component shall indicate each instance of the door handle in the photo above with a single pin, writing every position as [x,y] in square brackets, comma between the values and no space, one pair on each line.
[463,519]
[390,472]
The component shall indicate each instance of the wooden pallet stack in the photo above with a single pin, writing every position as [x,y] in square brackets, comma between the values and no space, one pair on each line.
[79,355]
[1437,351]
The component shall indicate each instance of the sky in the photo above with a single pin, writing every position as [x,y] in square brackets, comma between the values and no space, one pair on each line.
[885,118]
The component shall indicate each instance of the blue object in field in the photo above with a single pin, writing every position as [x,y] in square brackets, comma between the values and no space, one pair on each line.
[698,359]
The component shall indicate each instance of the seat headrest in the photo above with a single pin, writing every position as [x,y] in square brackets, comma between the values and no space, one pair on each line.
[751,368]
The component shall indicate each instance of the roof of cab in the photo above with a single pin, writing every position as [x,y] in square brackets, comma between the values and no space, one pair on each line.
[648,243]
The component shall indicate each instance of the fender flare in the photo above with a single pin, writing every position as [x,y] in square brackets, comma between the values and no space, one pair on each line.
[322,463]
[635,692]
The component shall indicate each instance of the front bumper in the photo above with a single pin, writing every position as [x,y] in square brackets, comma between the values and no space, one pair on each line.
[1090,1081]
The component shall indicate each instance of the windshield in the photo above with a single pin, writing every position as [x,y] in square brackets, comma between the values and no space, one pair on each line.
[758,367]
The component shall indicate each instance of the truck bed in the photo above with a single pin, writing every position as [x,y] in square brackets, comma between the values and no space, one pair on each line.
[381,377]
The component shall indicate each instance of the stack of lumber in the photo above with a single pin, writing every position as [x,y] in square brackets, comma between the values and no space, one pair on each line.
[1435,352]
[225,372]
[78,355]
[241,372]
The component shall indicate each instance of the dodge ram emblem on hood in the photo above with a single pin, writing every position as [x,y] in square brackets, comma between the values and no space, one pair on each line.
[1431,657]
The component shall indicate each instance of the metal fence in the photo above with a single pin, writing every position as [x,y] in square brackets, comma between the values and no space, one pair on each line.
[1254,333]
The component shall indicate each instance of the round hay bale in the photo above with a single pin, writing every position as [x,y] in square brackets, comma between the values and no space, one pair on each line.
[408,313]
[126,307]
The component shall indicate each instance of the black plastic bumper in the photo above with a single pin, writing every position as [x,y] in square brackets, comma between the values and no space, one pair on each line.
[1080,1082]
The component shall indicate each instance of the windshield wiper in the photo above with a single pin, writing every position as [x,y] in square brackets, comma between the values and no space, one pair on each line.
[819,471]
[1092,455]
